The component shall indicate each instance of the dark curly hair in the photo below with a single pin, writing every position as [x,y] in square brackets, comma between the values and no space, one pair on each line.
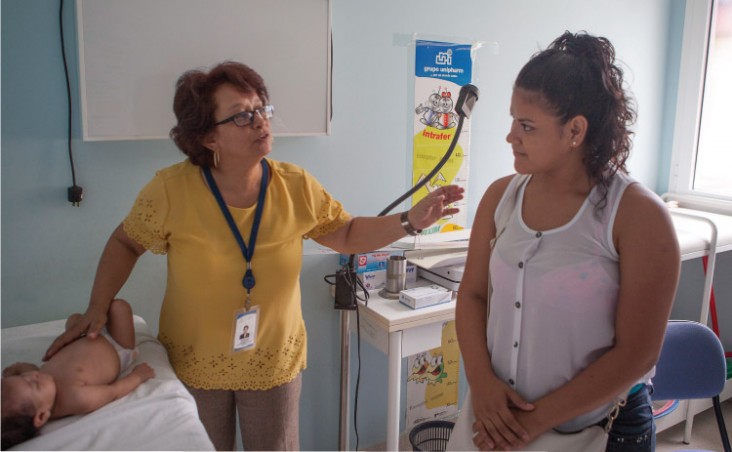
[194,105]
[577,75]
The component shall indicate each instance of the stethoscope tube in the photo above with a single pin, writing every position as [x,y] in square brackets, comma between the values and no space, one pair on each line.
[466,100]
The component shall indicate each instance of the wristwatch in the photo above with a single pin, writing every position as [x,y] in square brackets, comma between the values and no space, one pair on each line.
[407,225]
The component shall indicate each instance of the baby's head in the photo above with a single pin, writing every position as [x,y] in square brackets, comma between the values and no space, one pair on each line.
[27,400]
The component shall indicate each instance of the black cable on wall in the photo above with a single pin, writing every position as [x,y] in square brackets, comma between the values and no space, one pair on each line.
[74,193]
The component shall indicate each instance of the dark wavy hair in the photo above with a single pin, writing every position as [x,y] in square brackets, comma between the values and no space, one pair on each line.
[17,422]
[194,105]
[577,75]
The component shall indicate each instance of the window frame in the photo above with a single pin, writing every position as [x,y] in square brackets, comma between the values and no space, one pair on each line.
[699,23]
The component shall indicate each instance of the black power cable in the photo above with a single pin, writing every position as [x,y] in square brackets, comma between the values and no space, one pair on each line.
[74,193]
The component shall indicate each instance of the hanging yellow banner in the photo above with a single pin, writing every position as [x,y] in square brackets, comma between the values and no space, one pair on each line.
[441,69]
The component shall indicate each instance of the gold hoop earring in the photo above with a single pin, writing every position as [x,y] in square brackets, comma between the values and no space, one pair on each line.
[216,159]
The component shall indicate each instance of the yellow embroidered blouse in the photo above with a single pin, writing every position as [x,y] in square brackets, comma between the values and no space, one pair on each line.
[176,214]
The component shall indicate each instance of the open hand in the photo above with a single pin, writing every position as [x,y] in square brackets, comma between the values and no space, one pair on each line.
[90,324]
[435,206]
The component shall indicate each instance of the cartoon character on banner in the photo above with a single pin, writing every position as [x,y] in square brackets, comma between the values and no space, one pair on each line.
[428,369]
[429,110]
[438,111]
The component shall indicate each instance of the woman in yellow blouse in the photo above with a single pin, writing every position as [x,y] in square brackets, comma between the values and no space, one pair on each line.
[232,223]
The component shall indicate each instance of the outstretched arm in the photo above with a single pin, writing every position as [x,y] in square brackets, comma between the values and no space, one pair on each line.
[363,234]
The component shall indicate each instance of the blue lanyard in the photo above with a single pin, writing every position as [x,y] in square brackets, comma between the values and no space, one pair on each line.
[248,281]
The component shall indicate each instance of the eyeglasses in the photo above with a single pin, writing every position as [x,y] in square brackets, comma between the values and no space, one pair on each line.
[245,118]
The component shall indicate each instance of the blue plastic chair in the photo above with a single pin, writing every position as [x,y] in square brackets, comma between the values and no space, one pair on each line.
[692,366]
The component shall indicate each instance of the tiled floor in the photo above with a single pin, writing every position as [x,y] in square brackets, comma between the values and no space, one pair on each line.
[704,433]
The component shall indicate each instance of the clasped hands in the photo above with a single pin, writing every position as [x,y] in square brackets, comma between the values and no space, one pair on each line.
[501,418]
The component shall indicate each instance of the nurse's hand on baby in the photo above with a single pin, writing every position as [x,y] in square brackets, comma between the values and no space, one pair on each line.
[88,324]
[84,375]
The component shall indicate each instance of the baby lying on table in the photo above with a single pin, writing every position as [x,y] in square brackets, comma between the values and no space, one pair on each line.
[80,378]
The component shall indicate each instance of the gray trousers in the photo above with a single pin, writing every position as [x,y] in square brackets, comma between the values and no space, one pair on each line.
[268,420]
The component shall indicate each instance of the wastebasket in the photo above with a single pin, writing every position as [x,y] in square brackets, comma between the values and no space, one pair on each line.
[431,436]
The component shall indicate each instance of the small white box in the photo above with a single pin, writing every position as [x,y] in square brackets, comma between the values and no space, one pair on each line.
[421,297]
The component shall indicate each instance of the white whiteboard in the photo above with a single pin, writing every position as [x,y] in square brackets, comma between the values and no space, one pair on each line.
[131,53]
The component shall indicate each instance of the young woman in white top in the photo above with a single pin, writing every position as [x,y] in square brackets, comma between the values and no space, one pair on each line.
[583,263]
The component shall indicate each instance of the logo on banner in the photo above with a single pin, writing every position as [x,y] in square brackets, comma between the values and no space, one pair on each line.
[444,58]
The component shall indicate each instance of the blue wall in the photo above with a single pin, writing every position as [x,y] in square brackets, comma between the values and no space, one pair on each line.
[50,249]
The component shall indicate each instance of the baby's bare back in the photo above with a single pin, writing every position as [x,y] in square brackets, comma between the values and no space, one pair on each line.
[85,361]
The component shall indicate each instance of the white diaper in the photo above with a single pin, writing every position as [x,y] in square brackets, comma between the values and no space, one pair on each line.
[126,356]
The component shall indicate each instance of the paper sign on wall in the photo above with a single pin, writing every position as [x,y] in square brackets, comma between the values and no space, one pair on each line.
[432,384]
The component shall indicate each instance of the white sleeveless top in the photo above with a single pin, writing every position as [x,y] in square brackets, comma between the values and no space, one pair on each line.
[555,292]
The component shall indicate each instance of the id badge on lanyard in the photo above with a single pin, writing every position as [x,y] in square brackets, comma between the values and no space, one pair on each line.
[246,320]
[244,330]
